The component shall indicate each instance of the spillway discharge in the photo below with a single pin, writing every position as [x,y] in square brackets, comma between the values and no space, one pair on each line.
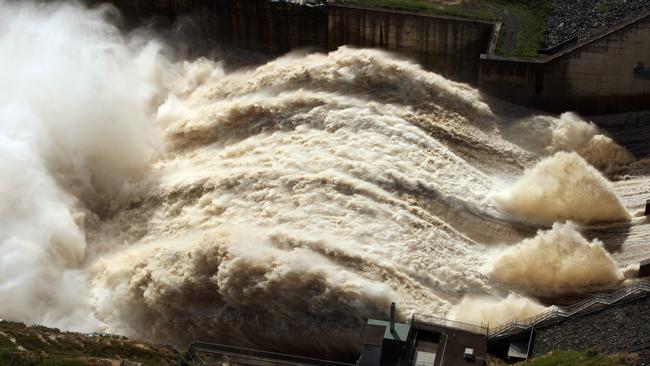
[557,262]
[563,187]
[570,133]
[275,206]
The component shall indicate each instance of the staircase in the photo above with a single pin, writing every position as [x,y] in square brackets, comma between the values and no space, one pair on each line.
[558,313]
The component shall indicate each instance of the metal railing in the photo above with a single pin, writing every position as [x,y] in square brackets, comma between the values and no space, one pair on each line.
[448,323]
[559,313]
[197,347]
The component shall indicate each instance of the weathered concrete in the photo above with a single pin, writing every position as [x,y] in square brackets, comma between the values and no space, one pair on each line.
[268,27]
[595,76]
[448,46]
[620,328]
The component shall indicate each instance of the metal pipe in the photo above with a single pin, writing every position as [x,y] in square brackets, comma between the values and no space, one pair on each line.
[530,341]
[442,357]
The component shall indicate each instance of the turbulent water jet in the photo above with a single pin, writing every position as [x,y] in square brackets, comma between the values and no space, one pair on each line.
[297,197]
[493,311]
[557,262]
[71,139]
[563,187]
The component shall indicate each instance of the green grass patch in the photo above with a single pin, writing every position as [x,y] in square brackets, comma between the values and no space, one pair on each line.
[589,358]
[30,341]
[6,344]
[31,359]
[404,5]
[51,347]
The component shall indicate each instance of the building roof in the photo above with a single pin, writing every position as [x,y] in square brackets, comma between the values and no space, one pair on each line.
[401,330]
[372,335]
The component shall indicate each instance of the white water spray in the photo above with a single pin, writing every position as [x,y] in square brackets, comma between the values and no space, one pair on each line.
[279,206]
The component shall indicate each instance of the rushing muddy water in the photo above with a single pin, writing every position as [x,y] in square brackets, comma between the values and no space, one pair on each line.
[281,205]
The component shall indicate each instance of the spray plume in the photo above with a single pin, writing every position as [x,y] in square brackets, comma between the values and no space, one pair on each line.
[71,138]
[557,262]
[570,133]
[563,187]
[493,311]
[276,206]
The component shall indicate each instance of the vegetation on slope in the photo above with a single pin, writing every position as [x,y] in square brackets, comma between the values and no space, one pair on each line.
[37,345]
[589,358]
[524,21]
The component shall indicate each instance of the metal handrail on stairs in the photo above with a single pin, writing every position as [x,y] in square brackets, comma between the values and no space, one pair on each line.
[557,313]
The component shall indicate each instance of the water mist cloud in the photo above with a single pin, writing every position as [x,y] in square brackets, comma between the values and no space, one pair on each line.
[239,282]
[493,310]
[277,206]
[570,133]
[69,135]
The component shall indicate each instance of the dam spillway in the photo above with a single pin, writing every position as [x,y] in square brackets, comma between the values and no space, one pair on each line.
[282,204]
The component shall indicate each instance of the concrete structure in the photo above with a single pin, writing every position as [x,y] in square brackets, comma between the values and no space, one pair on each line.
[211,354]
[612,323]
[454,341]
[446,45]
[371,342]
[644,268]
[607,73]
[449,46]
[425,341]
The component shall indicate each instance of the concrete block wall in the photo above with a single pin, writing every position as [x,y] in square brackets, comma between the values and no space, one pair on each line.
[260,25]
[264,26]
[604,68]
[510,79]
[593,77]
[596,76]
[448,46]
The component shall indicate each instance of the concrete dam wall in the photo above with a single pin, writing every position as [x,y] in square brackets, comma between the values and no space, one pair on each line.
[607,73]
[448,46]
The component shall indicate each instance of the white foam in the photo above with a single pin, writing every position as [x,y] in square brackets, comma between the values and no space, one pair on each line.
[563,187]
[557,262]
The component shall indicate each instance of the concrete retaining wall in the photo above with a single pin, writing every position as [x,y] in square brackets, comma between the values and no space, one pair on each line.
[448,46]
[596,76]
[264,26]
[268,27]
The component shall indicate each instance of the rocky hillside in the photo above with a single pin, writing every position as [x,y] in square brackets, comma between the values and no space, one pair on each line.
[37,345]
[583,18]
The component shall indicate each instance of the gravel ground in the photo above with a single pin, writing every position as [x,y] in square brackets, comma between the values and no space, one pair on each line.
[583,18]
[621,328]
